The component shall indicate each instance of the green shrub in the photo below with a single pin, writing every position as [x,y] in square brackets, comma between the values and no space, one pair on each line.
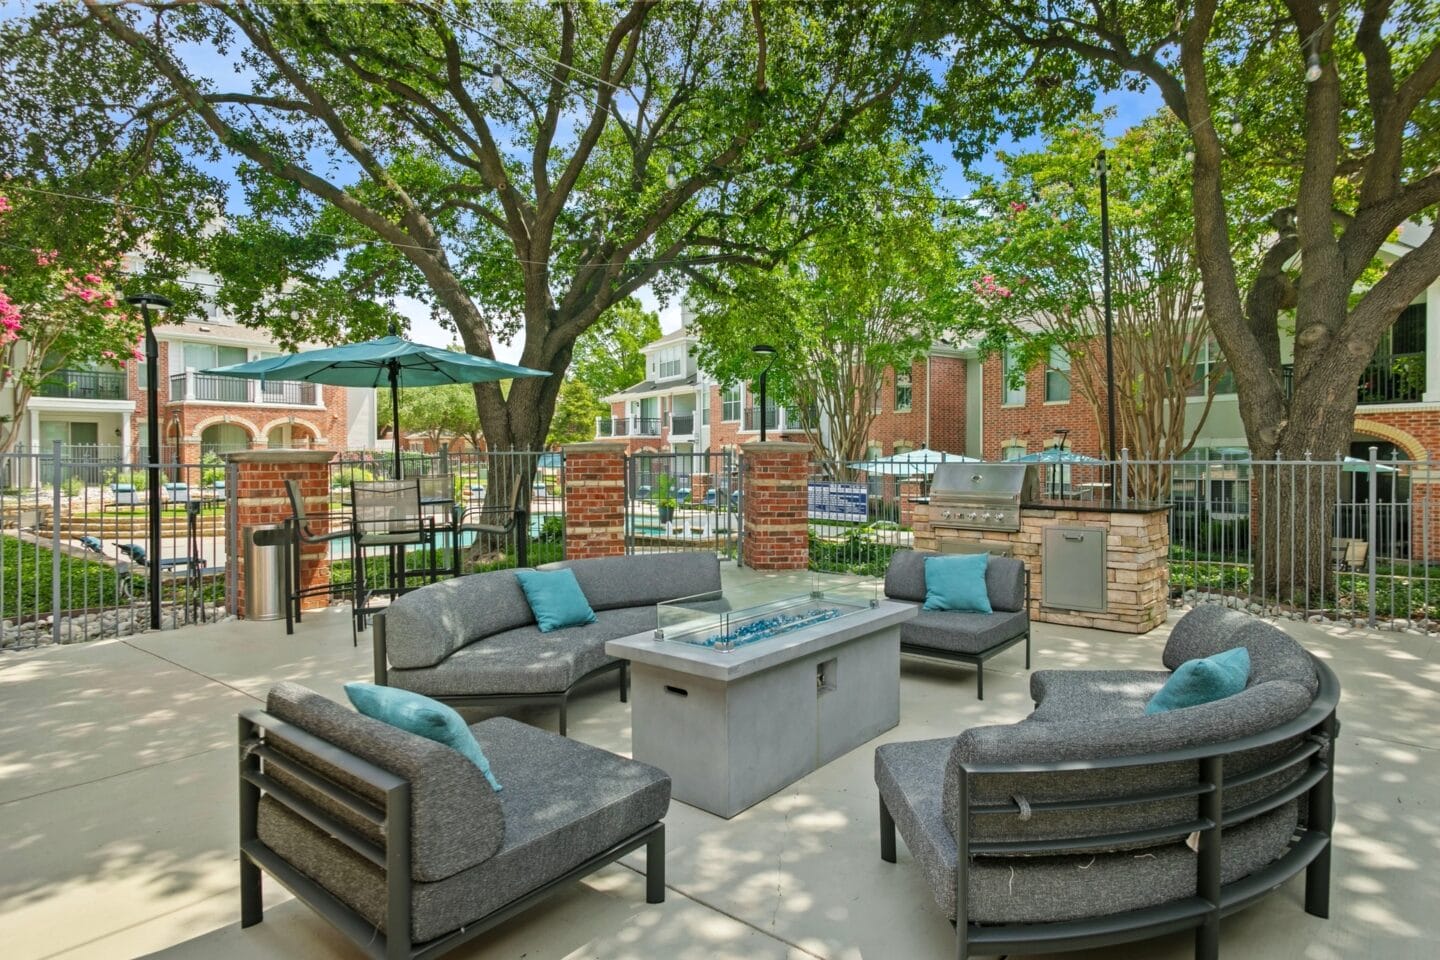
[856,553]
[212,468]
[347,475]
[138,479]
[73,486]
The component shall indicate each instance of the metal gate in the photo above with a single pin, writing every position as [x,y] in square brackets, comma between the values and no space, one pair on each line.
[682,501]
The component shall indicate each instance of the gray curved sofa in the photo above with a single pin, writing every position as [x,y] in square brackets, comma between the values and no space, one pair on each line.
[400,842]
[472,641]
[957,635]
[1091,823]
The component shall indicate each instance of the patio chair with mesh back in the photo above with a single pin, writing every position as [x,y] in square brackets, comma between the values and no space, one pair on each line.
[302,532]
[385,514]
[442,512]
[510,518]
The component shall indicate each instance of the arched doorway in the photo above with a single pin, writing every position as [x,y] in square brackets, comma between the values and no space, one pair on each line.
[289,436]
[222,438]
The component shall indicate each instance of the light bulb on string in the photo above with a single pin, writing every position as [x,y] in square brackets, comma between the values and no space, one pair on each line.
[1189,156]
[794,216]
[1237,128]
[1312,68]
[670,179]
[497,83]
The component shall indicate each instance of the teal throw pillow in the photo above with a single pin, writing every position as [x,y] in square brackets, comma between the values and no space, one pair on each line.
[957,583]
[1203,681]
[555,598]
[423,717]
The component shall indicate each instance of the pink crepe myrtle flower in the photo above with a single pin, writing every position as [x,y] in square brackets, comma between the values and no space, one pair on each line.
[88,295]
[110,303]
[1018,206]
[136,352]
[5,206]
[93,279]
[108,354]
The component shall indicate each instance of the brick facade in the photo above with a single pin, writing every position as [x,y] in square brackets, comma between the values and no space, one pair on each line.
[182,422]
[594,499]
[259,498]
[776,504]
[942,383]
[1033,424]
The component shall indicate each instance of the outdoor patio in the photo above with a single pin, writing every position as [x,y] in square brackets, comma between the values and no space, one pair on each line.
[118,817]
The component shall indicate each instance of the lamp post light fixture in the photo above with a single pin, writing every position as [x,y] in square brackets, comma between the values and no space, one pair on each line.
[152,440]
[764,350]
[1109,312]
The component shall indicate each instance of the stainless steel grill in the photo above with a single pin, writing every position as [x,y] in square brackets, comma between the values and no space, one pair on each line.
[981,496]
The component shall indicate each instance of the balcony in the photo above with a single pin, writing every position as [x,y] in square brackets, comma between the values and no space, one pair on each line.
[84,385]
[204,388]
[627,426]
[751,419]
[1399,378]
[682,424]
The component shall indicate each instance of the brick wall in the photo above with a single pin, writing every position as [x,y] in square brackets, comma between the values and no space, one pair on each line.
[594,499]
[1034,423]
[259,498]
[776,505]
[947,408]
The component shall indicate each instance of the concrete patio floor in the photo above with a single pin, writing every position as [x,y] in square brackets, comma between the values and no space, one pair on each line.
[118,814]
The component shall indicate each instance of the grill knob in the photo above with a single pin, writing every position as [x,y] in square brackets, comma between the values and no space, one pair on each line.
[945,515]
[972,515]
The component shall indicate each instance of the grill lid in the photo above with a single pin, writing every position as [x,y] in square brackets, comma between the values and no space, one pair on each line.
[984,481]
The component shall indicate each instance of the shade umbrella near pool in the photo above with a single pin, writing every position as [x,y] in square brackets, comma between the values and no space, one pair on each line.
[909,464]
[389,361]
[1056,455]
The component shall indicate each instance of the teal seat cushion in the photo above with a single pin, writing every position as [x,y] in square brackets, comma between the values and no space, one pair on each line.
[1203,681]
[555,598]
[421,716]
[957,583]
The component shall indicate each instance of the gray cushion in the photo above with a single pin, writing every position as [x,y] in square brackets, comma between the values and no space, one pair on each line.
[564,802]
[1062,695]
[1043,889]
[1004,579]
[644,579]
[455,817]
[962,632]
[524,660]
[1252,711]
[425,626]
[1211,628]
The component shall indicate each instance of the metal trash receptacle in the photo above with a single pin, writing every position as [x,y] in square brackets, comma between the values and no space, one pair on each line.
[264,548]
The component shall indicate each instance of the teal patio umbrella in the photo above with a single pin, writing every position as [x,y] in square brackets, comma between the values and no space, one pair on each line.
[389,361]
[909,464]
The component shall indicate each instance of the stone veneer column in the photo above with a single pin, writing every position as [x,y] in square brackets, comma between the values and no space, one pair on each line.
[776,499]
[594,499]
[258,497]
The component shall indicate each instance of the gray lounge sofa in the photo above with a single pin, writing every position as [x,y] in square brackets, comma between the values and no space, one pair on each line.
[472,641]
[1090,823]
[399,842]
[957,635]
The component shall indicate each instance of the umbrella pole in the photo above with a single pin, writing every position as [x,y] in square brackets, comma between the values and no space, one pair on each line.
[395,411]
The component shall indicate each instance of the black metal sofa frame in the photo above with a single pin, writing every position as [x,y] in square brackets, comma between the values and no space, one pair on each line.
[256,726]
[560,700]
[1309,850]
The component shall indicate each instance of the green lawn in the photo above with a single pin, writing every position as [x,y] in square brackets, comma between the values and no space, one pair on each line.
[27,584]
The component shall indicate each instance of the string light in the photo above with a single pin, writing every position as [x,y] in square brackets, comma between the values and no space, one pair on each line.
[497,83]
[1312,68]
[794,216]
[670,178]
[1189,156]
[1237,128]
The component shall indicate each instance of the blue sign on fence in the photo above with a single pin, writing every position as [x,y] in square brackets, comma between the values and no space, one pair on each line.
[838,501]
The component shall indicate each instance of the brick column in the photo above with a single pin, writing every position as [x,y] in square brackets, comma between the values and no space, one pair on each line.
[258,497]
[775,496]
[909,490]
[1424,514]
[594,499]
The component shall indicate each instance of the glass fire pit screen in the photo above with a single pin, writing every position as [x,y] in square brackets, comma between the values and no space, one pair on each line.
[719,624]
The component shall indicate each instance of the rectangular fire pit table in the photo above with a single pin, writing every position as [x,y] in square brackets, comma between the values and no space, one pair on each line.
[736,704]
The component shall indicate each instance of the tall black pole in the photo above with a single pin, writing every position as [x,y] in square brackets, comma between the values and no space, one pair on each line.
[152,439]
[1109,314]
[763,374]
[394,366]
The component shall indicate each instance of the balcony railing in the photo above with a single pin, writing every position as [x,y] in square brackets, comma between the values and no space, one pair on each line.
[84,385]
[211,389]
[627,426]
[751,419]
[1399,378]
[682,424]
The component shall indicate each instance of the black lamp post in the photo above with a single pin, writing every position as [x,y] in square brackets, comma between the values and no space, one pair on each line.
[764,350]
[1062,434]
[1109,313]
[152,439]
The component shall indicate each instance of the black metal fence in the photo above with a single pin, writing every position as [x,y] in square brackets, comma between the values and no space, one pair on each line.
[76,558]
[682,501]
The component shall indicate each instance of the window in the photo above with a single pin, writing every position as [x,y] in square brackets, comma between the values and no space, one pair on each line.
[203,356]
[1013,450]
[1210,363]
[1057,375]
[902,393]
[730,404]
[1013,396]
[705,411]
[671,363]
[877,402]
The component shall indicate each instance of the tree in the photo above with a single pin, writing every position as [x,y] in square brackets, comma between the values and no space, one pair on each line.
[868,294]
[608,356]
[1032,244]
[526,166]
[1337,104]
[575,414]
[57,310]
[437,412]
